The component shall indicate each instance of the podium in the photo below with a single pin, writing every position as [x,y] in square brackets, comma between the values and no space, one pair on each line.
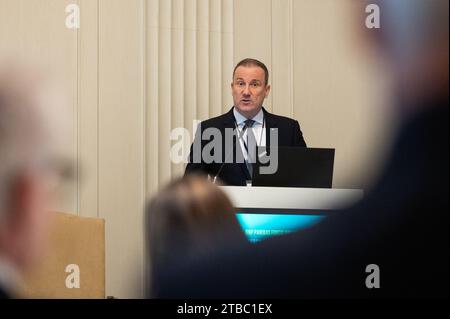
[74,266]
[281,198]
[269,211]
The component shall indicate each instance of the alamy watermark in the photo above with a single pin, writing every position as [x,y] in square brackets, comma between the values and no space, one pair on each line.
[212,145]
[73,17]
[373,19]
[373,279]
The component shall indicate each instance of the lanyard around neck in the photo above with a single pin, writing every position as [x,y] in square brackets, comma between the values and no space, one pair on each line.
[242,132]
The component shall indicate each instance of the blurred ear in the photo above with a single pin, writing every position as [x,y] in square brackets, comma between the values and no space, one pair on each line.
[268,87]
[25,233]
[17,212]
[20,201]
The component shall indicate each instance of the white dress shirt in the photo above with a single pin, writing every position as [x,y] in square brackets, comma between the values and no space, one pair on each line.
[258,129]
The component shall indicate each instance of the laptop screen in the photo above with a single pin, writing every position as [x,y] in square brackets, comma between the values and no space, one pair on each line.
[259,225]
[294,167]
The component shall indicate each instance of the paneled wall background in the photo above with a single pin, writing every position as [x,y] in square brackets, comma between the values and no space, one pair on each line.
[137,69]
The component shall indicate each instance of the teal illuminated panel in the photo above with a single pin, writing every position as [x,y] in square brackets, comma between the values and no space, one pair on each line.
[260,226]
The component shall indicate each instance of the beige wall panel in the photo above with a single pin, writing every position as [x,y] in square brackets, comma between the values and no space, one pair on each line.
[34,31]
[215,56]
[203,90]
[121,140]
[282,58]
[227,53]
[332,86]
[152,111]
[190,66]
[192,53]
[88,110]
[253,33]
[152,96]
[178,62]
[165,90]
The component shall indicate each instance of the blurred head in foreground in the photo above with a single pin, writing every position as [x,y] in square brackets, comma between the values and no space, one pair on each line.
[32,158]
[413,41]
[189,218]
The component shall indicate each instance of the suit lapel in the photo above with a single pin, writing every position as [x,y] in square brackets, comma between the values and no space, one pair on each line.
[270,124]
[228,119]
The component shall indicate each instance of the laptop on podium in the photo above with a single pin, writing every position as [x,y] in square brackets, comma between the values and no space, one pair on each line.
[297,167]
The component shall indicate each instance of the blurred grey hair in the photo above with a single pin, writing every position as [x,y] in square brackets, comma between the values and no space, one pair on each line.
[410,25]
[28,124]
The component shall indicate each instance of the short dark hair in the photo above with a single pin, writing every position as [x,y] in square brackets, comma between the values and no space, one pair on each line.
[253,62]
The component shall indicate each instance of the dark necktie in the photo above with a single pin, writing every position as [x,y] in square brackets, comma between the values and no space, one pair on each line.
[250,146]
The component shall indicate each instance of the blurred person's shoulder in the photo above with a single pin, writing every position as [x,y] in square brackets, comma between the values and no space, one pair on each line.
[3,294]
[433,118]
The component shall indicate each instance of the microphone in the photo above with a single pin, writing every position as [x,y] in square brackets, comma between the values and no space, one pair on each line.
[225,161]
[228,155]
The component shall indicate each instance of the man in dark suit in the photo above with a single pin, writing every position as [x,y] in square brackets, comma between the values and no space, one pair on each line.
[395,243]
[252,124]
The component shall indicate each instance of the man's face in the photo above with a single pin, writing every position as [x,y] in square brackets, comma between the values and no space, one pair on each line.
[249,90]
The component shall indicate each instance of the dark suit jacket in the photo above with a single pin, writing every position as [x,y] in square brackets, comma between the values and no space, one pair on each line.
[289,134]
[401,226]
